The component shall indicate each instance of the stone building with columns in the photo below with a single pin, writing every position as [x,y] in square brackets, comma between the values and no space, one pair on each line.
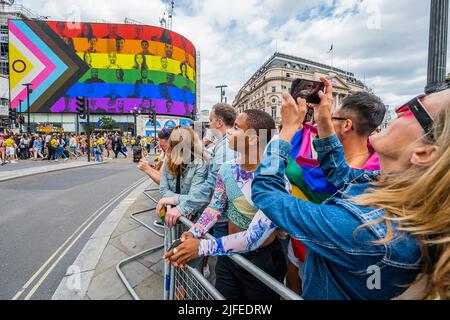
[263,91]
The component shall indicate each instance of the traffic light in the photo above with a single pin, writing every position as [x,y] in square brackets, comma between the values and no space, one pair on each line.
[152,117]
[12,114]
[22,119]
[81,107]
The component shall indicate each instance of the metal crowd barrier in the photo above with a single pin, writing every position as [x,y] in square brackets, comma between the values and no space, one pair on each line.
[189,283]
[184,281]
[143,253]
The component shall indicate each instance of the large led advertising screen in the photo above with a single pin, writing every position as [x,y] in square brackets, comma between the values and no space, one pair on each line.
[118,67]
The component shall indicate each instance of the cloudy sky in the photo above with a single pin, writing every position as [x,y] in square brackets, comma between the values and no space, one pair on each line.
[384,42]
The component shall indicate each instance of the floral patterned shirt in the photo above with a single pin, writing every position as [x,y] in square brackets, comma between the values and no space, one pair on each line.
[232,198]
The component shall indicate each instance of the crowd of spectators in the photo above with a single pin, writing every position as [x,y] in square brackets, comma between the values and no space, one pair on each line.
[331,207]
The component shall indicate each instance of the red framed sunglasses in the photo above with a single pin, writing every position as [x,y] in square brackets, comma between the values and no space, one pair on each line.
[420,113]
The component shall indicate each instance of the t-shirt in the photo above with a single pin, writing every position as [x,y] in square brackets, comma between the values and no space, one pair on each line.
[100,142]
[232,198]
[53,143]
[37,144]
[9,143]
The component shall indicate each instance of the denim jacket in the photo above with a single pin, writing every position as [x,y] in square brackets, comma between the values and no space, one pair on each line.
[342,262]
[192,178]
[202,195]
[331,156]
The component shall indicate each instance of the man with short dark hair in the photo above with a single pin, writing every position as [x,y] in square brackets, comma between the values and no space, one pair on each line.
[169,50]
[94,77]
[145,48]
[360,114]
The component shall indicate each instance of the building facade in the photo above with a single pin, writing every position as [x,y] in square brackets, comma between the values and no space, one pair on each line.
[264,90]
[66,119]
[9,10]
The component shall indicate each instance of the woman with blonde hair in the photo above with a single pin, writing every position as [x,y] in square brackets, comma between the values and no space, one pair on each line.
[184,170]
[374,240]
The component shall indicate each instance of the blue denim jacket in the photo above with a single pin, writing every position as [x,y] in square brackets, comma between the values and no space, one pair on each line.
[341,262]
[331,156]
[192,179]
[201,198]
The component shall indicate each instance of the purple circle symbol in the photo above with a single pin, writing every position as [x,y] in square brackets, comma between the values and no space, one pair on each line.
[19,70]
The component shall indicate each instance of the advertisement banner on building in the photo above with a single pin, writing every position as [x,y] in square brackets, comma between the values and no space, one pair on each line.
[118,67]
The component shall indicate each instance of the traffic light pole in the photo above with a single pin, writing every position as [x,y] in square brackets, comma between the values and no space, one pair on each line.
[88,114]
[156,134]
[28,85]
[19,117]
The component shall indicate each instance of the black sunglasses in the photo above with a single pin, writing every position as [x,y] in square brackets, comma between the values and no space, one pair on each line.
[420,113]
[342,119]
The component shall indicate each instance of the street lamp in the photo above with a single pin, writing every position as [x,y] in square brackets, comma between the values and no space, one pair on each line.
[222,92]
[29,91]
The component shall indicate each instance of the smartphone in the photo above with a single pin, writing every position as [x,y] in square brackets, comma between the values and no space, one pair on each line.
[307,89]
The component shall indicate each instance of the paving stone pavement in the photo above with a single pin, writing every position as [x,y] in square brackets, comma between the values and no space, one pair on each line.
[129,238]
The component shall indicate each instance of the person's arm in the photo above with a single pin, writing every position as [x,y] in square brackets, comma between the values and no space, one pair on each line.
[164,188]
[332,162]
[216,208]
[327,230]
[254,237]
[154,174]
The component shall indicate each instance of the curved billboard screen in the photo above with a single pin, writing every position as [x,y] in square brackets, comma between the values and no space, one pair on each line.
[118,67]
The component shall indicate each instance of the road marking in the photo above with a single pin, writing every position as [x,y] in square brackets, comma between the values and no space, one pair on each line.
[88,221]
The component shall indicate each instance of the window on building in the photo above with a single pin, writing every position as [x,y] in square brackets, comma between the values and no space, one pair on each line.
[274,100]
[288,75]
[274,112]
[4,50]
[274,89]
[4,67]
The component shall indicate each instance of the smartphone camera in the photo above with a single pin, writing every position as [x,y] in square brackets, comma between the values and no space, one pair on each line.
[307,89]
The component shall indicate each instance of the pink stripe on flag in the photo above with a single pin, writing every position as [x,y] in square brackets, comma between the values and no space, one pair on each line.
[303,159]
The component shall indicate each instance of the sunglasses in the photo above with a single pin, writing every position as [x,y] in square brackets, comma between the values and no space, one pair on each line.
[342,119]
[416,107]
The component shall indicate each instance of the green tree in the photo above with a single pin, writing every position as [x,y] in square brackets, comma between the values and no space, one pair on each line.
[108,123]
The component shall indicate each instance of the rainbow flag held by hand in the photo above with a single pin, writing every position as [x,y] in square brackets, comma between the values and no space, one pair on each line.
[303,170]
[308,181]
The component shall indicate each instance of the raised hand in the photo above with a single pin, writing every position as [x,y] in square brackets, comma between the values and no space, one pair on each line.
[292,116]
[323,111]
